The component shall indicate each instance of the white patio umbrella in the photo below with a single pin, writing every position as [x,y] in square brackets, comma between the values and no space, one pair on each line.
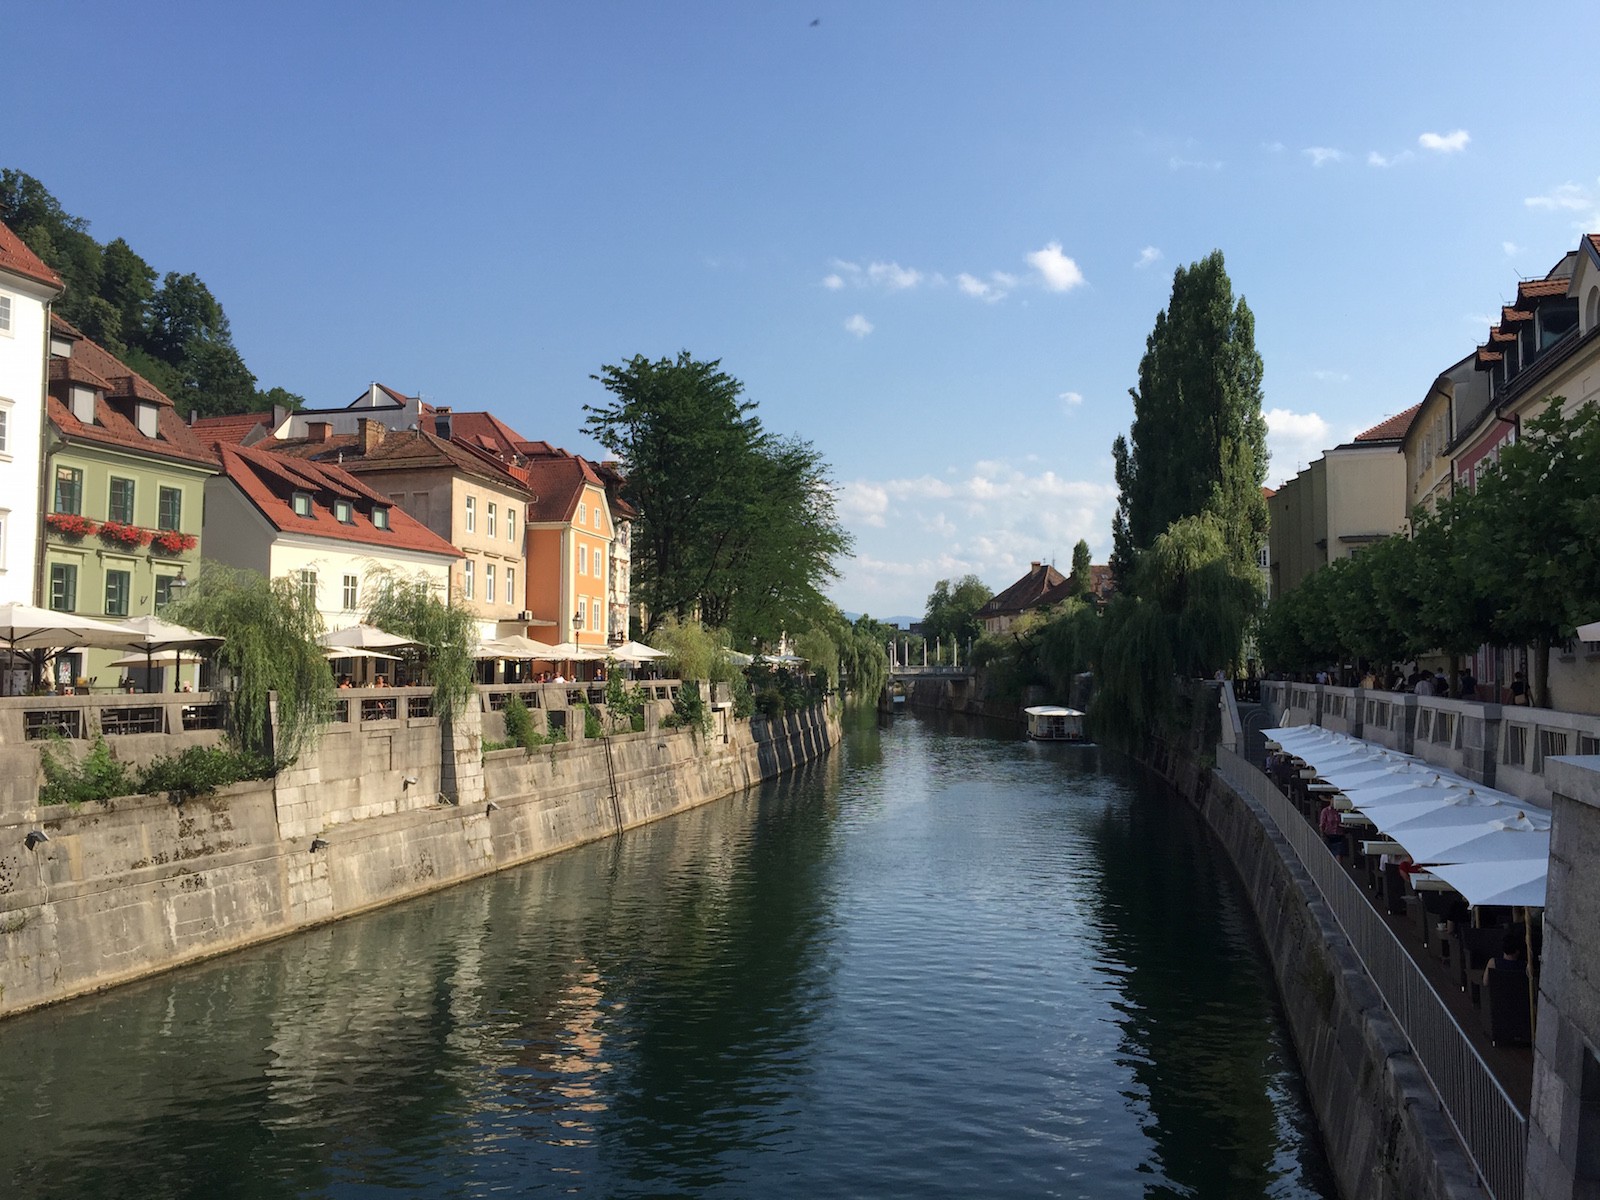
[1589,632]
[637,652]
[25,627]
[1518,883]
[159,658]
[1463,809]
[337,652]
[572,652]
[1498,841]
[517,645]
[153,635]
[364,637]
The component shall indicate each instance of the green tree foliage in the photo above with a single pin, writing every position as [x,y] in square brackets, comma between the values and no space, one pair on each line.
[1198,441]
[270,646]
[1082,570]
[446,635]
[693,651]
[953,610]
[177,335]
[736,527]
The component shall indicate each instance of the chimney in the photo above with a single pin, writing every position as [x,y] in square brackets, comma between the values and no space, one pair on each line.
[371,434]
[1033,567]
[319,431]
[441,423]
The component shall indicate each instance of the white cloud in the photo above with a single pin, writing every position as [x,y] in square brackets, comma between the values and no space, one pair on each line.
[1568,197]
[1070,399]
[1511,249]
[1293,440]
[1060,273]
[991,290]
[1323,154]
[1374,159]
[1445,143]
[890,276]
[1326,376]
[858,325]
[863,503]
[1147,256]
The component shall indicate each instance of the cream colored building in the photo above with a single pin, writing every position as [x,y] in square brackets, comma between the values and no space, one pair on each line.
[1352,496]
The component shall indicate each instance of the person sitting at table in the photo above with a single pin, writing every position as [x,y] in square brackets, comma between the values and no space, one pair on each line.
[344,681]
[381,681]
[1509,959]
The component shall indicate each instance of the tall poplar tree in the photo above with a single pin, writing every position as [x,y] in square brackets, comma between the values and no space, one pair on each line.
[1198,441]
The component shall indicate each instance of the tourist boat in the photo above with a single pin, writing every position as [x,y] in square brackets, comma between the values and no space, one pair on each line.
[1052,723]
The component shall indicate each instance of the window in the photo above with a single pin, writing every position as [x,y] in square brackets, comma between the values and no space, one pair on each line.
[583,514]
[117,585]
[472,514]
[169,509]
[302,504]
[164,590]
[488,582]
[121,507]
[511,585]
[63,587]
[308,585]
[380,517]
[147,417]
[511,522]
[5,427]
[5,313]
[351,584]
[467,584]
[488,526]
[582,618]
[69,491]
[599,563]
[343,512]
[583,560]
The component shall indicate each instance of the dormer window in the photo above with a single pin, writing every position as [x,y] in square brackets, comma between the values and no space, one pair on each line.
[302,504]
[147,418]
[343,512]
[380,517]
[83,404]
[5,313]
[60,347]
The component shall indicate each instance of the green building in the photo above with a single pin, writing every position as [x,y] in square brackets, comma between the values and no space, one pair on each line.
[124,483]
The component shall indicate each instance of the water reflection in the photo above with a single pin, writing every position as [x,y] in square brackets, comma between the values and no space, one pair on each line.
[937,963]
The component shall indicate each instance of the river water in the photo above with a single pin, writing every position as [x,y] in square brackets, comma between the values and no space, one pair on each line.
[943,962]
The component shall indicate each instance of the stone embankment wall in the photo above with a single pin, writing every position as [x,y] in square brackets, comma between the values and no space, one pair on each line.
[138,885]
[1382,1126]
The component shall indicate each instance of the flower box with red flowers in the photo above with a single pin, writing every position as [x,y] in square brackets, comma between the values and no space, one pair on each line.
[170,541]
[130,536]
[70,524]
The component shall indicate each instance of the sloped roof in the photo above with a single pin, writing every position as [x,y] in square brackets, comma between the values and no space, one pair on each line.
[233,428]
[1532,289]
[93,366]
[1392,429]
[556,484]
[19,260]
[1028,592]
[269,481]
[406,450]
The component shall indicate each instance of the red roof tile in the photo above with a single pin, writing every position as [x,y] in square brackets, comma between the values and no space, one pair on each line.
[1513,316]
[1392,429]
[1534,288]
[1031,591]
[94,366]
[233,428]
[19,260]
[270,480]
[556,484]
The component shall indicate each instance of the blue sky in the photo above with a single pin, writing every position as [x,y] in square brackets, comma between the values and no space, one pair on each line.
[929,237]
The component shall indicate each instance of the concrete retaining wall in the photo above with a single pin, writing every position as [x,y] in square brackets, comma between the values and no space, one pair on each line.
[138,885]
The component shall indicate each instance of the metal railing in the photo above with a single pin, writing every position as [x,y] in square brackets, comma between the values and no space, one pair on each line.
[1493,1131]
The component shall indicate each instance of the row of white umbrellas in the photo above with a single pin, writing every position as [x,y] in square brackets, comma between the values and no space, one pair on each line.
[1488,845]
[24,627]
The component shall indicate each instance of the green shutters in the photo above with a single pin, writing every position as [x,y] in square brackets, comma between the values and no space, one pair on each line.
[169,514]
[63,587]
[120,507]
[118,585]
[69,490]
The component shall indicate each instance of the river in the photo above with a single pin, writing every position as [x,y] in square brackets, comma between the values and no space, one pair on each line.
[943,962]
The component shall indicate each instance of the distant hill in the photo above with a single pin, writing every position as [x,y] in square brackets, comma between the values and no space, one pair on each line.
[903,622]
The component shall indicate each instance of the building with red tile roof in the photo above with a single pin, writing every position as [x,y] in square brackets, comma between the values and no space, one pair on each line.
[125,479]
[27,289]
[1042,586]
[320,525]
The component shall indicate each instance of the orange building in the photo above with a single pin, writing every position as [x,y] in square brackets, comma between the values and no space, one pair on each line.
[570,538]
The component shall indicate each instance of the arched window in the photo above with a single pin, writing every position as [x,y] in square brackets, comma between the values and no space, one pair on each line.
[1591,309]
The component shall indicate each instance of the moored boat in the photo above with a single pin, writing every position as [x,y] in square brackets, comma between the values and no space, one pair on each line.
[1052,723]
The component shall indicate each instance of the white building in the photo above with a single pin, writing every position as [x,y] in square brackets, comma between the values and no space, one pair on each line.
[319,525]
[27,287]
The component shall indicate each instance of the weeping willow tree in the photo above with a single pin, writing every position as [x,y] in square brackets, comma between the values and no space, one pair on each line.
[693,650]
[1195,598]
[270,629]
[446,635]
